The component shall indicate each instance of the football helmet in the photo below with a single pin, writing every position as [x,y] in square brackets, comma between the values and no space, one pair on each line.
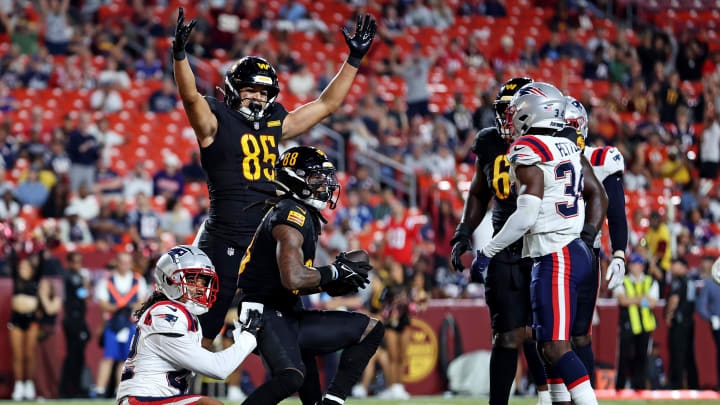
[185,271]
[537,106]
[308,174]
[502,100]
[576,116]
[251,71]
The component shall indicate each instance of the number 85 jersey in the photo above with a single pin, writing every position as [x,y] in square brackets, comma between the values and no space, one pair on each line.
[562,211]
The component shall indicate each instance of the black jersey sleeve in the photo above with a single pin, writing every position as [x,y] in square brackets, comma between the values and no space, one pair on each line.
[291,213]
[215,104]
[483,140]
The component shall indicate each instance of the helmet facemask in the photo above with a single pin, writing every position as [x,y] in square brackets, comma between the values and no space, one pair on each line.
[198,287]
[255,109]
[322,184]
[501,121]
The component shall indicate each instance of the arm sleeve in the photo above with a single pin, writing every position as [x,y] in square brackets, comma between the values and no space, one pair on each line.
[528,208]
[617,222]
[184,352]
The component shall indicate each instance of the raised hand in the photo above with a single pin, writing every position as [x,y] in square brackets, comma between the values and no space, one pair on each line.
[182,33]
[360,42]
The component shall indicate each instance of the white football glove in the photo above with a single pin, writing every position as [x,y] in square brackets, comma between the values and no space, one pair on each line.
[247,306]
[716,271]
[615,272]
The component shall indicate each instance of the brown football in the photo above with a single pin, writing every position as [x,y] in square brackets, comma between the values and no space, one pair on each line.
[358,256]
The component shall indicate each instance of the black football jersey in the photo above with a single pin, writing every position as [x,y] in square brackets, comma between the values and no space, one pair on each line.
[491,149]
[242,154]
[259,275]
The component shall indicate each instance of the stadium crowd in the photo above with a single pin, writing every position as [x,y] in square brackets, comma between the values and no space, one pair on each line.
[652,89]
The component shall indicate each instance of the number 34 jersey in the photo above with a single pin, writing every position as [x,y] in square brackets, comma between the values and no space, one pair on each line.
[562,212]
[243,154]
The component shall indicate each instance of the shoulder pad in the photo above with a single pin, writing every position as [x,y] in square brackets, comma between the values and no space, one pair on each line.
[168,317]
[214,103]
[528,150]
[609,158]
[292,213]
[484,137]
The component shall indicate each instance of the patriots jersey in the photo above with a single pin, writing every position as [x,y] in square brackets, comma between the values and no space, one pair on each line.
[490,149]
[149,370]
[562,211]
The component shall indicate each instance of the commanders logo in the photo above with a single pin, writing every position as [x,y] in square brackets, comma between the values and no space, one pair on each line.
[421,352]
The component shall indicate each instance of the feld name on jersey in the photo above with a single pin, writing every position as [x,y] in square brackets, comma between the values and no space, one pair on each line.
[562,212]
[165,348]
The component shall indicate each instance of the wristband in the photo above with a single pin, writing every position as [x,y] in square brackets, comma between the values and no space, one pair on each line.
[178,55]
[354,61]
[327,273]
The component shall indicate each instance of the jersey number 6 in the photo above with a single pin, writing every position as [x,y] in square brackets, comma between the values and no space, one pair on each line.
[252,167]
[501,177]
[573,190]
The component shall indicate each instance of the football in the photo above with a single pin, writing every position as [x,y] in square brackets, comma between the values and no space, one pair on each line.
[358,256]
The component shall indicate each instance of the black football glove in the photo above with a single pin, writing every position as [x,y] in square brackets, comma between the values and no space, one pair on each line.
[182,33]
[359,43]
[338,288]
[461,243]
[352,273]
[252,324]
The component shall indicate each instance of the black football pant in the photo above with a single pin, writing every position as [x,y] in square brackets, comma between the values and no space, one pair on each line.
[292,339]
[681,343]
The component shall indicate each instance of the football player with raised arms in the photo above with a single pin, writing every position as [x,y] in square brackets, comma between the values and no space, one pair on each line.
[278,267]
[165,352]
[555,185]
[239,140]
[507,287]
[608,165]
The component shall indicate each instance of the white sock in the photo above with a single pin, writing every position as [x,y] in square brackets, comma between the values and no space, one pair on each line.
[333,398]
[583,394]
[558,393]
[544,398]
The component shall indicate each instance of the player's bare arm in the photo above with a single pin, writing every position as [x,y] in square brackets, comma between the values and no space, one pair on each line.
[202,120]
[305,117]
[293,273]
[596,201]
[478,199]
[530,181]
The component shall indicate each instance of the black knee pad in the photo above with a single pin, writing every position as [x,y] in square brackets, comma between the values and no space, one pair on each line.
[289,381]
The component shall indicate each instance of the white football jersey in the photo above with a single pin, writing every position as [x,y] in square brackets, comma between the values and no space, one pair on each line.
[148,371]
[605,161]
[562,211]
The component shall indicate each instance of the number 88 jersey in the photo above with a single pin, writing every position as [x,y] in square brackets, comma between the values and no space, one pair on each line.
[562,211]
[491,150]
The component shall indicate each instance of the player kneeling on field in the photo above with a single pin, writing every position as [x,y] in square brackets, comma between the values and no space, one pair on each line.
[165,352]
[278,268]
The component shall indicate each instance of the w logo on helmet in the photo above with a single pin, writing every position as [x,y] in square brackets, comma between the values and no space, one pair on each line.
[531,90]
[263,66]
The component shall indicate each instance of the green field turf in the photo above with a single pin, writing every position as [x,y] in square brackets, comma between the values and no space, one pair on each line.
[412,401]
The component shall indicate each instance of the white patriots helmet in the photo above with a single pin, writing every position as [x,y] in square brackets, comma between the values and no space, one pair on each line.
[576,116]
[184,267]
[536,106]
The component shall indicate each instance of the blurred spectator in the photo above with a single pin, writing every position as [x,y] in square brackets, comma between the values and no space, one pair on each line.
[58,160]
[107,182]
[84,151]
[597,67]
[193,171]
[444,221]
[107,138]
[361,180]
[73,228]
[442,162]
[401,235]
[9,207]
[31,191]
[106,99]
[636,296]
[164,99]
[551,49]
[302,83]
[56,202]
[57,28]
[507,55]
[113,76]
[106,229]
[292,11]
[572,48]
[77,333]
[710,147]
[357,215]
[708,306]
[598,40]
[7,101]
[138,181]
[670,97]
[169,182]
[5,184]
[149,67]
[85,203]
[419,15]
[691,56]
[119,294]
[176,219]
[657,239]
[284,61]
[37,73]
[529,56]
[460,117]
[144,222]
[203,204]
[676,167]
[681,328]
[416,70]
